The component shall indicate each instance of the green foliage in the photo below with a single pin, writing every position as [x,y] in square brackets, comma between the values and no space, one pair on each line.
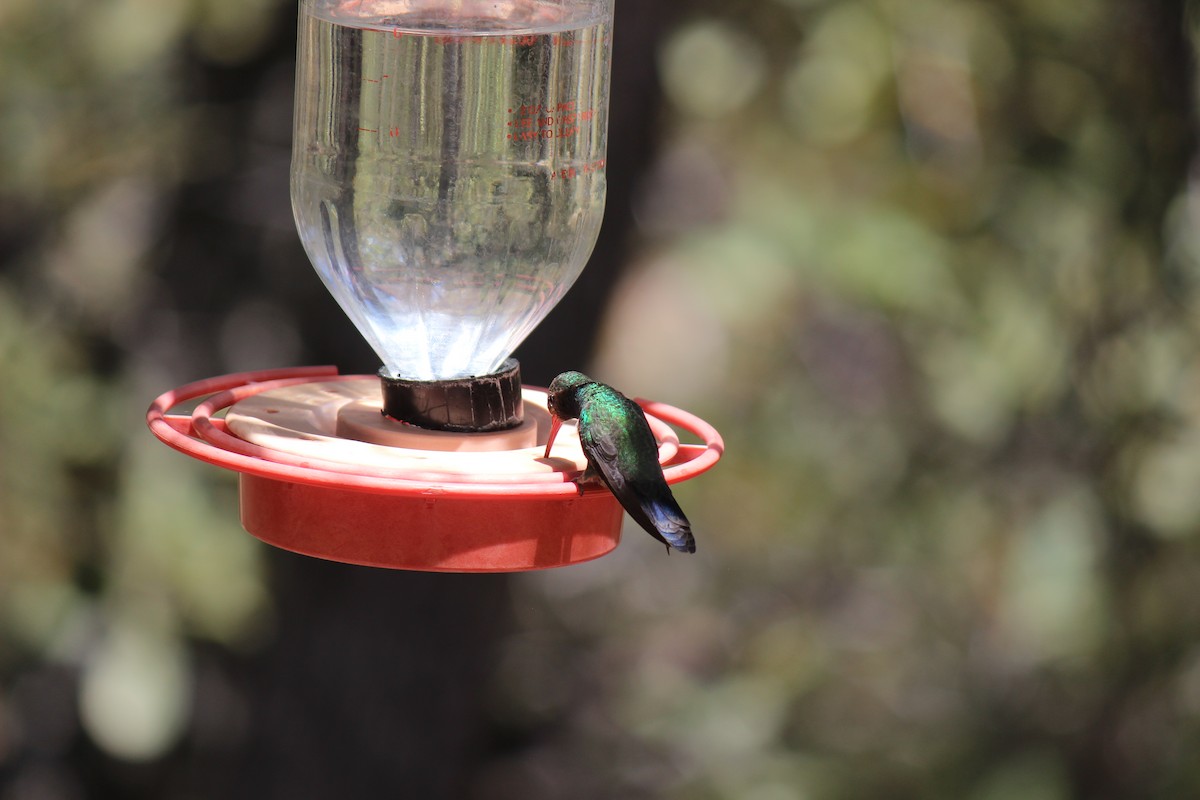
[115,555]
[941,314]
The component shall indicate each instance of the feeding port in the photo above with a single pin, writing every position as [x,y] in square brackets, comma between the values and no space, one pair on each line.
[324,473]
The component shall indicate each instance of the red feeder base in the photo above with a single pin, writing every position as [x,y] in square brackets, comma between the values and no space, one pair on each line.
[445,534]
[501,512]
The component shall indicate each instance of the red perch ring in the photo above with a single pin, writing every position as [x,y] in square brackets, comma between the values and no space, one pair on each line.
[417,514]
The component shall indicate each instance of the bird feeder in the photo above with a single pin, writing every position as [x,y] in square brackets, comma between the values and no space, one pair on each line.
[448,186]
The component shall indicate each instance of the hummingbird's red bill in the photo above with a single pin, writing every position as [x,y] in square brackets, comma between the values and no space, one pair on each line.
[555,424]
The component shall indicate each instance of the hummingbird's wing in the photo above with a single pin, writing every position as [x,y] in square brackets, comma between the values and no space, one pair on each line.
[622,450]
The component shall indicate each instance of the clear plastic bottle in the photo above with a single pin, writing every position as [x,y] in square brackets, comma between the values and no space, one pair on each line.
[448,171]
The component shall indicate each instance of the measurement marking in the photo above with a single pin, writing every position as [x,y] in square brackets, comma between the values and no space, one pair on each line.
[567,173]
[369,130]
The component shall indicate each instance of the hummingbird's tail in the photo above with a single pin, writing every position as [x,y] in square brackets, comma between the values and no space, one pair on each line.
[671,524]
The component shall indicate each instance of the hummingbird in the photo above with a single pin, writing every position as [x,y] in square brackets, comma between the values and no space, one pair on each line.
[621,452]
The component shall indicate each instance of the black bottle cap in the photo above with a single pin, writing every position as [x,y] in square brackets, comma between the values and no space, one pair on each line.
[464,405]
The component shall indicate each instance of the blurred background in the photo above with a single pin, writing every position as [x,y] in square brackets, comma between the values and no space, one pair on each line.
[931,266]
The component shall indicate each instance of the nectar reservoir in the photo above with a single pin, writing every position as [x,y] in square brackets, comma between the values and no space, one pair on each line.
[448,168]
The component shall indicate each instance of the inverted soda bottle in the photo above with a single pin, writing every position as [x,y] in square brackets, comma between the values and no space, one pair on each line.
[448,168]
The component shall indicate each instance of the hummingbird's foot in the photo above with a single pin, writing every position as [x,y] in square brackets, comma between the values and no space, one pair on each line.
[589,477]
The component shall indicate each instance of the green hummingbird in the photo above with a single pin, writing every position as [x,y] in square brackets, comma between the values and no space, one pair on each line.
[622,452]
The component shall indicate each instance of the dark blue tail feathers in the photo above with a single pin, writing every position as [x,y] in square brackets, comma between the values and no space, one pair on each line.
[670,522]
